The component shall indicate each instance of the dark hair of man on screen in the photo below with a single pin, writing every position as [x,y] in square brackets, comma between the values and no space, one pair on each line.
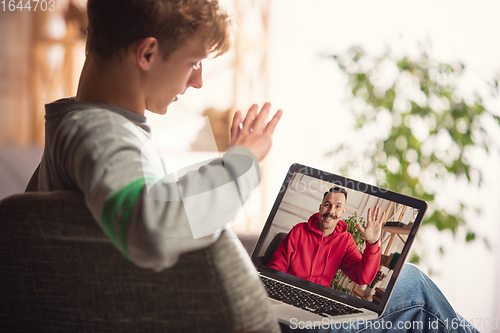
[336,189]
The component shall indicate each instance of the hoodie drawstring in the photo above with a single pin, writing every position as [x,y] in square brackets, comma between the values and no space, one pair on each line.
[326,260]
[316,256]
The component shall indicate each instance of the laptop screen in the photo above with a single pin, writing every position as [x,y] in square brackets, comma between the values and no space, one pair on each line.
[293,249]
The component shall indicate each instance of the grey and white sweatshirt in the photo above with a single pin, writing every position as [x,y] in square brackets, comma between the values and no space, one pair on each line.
[108,153]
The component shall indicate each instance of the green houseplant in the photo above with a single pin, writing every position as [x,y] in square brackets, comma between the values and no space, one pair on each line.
[434,127]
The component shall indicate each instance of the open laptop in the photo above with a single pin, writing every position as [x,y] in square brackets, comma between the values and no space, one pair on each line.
[300,196]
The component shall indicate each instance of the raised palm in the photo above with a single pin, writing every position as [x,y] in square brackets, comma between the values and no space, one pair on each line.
[373,225]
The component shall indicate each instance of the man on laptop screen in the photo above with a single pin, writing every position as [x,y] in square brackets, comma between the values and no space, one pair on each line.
[316,249]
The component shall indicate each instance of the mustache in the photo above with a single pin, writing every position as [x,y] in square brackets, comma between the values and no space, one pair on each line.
[329,215]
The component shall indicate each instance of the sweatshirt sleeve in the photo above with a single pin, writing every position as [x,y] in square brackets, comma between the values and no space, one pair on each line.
[149,214]
[283,254]
[361,268]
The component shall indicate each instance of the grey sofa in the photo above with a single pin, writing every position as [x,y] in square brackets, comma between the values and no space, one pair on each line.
[60,273]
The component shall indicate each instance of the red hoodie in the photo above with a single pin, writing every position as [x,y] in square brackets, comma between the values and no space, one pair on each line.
[308,254]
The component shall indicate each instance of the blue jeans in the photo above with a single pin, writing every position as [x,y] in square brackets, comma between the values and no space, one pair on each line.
[416,305]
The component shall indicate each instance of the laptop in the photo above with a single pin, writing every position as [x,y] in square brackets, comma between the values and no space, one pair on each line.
[300,303]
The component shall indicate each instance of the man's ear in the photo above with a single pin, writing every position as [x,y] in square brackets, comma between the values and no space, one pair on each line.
[343,211]
[147,49]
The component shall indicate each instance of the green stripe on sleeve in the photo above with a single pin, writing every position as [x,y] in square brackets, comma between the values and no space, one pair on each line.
[117,211]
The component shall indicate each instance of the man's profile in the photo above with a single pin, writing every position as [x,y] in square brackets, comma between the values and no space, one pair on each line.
[316,249]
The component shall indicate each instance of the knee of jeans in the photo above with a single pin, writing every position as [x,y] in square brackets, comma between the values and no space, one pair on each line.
[412,272]
[422,290]
[410,269]
[416,280]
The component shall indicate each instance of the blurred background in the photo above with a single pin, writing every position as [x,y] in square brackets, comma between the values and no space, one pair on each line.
[399,94]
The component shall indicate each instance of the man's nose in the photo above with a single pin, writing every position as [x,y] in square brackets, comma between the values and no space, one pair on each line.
[195,79]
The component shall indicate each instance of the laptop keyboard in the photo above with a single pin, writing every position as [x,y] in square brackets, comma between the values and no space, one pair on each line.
[305,300]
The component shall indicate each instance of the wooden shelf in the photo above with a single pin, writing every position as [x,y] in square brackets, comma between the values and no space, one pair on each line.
[397,230]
